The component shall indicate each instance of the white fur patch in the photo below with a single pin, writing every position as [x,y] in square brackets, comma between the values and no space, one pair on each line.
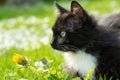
[80,61]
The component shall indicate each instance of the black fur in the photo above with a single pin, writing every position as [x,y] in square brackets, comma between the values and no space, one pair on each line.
[82,31]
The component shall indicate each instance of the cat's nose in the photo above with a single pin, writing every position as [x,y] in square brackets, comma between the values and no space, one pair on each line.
[53,45]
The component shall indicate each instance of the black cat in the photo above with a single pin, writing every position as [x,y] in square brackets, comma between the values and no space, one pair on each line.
[88,43]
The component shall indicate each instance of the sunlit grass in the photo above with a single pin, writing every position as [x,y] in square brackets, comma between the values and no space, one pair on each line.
[26,31]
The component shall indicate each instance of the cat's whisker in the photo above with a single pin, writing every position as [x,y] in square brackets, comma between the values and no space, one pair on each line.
[69,47]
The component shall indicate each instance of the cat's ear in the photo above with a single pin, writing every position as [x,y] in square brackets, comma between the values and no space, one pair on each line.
[61,9]
[76,8]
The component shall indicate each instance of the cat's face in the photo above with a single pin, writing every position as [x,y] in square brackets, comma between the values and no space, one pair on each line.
[69,30]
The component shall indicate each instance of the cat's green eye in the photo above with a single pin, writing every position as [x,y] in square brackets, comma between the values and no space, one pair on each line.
[63,34]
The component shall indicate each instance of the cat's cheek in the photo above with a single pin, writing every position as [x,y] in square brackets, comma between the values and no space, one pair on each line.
[61,40]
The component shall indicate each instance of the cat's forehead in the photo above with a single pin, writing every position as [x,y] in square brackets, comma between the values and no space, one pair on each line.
[59,24]
[64,16]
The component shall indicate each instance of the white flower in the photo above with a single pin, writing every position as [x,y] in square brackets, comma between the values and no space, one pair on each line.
[22,37]
[48,31]
[1,25]
[23,79]
[40,64]
[31,20]
[44,40]
[46,20]
[20,19]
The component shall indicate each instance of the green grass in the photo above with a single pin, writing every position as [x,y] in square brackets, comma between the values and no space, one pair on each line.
[9,70]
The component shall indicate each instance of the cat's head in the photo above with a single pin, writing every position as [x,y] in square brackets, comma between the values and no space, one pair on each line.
[71,30]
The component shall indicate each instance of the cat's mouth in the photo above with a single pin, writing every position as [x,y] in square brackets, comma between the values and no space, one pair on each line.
[66,48]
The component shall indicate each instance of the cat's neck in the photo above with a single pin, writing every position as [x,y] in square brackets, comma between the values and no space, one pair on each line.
[81,61]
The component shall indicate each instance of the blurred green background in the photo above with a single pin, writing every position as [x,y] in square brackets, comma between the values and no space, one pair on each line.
[25,29]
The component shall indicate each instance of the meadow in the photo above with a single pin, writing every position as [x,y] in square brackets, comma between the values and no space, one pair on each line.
[25,34]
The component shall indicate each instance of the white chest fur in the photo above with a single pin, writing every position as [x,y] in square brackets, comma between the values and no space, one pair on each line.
[80,61]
